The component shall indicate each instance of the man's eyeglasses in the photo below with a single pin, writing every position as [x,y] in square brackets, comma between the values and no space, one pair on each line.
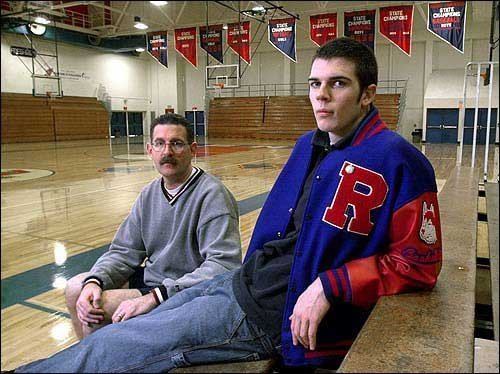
[176,146]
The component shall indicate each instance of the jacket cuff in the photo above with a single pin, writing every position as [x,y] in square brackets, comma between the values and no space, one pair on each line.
[336,285]
[93,279]
[160,294]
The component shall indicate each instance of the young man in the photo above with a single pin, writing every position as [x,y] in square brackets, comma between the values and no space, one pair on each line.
[184,224]
[352,216]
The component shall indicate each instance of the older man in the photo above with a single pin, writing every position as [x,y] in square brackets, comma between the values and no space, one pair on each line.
[183,227]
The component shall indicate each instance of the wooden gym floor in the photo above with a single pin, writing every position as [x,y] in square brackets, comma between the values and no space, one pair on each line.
[55,226]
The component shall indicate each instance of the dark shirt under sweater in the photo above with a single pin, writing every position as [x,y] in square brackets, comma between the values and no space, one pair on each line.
[261,284]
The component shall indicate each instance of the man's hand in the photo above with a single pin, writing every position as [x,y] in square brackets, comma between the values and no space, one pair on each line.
[88,305]
[134,307]
[307,314]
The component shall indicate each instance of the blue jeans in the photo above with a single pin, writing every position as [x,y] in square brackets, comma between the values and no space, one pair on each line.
[202,324]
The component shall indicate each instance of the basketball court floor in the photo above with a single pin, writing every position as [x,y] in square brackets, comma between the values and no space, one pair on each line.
[61,204]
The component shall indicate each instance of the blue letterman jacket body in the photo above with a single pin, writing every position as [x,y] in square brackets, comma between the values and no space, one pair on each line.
[371,227]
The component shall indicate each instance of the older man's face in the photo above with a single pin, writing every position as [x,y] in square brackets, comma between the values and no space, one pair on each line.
[171,153]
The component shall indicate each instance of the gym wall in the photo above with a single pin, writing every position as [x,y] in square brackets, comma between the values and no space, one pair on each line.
[151,87]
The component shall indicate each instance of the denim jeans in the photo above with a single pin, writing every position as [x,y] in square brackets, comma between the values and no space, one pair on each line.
[202,324]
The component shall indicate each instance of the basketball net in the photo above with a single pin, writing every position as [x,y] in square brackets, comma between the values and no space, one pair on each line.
[218,88]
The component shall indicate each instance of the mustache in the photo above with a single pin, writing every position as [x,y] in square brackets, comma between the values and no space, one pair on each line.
[168,160]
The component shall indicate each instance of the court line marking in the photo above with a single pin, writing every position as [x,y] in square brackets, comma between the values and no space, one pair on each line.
[45,309]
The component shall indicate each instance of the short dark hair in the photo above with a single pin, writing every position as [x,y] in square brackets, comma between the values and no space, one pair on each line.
[173,119]
[365,63]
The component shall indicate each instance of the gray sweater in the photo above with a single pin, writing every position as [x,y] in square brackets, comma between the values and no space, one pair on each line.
[187,238]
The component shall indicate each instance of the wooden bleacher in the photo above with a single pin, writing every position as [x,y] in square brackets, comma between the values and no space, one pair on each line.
[277,117]
[388,107]
[26,118]
[238,117]
[287,117]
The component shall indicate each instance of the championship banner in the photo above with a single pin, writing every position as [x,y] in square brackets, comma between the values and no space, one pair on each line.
[185,44]
[447,21]
[211,42]
[157,46]
[395,23]
[361,26]
[323,28]
[238,39]
[281,34]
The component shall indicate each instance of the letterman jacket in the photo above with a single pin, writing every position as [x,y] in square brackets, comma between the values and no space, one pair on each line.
[371,227]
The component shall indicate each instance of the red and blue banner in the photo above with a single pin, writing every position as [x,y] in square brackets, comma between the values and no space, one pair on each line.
[238,39]
[361,26]
[447,21]
[185,44]
[323,28]
[282,35]
[395,23]
[211,41]
[157,46]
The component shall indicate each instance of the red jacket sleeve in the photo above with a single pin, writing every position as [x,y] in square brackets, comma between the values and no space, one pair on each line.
[411,262]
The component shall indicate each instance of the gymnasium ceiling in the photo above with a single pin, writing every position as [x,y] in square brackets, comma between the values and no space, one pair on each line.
[177,14]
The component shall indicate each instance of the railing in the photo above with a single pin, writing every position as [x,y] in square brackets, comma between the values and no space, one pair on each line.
[77,19]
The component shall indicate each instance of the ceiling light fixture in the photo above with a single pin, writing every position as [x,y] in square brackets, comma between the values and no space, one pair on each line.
[138,24]
[259,9]
[159,3]
[42,20]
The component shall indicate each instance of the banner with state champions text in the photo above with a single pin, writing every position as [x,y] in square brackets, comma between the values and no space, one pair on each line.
[281,34]
[361,26]
[238,39]
[185,44]
[447,21]
[323,28]
[395,23]
[211,41]
[157,46]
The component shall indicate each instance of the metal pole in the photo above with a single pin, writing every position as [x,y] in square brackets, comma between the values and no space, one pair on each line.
[194,125]
[126,123]
[486,148]
[461,119]
[476,112]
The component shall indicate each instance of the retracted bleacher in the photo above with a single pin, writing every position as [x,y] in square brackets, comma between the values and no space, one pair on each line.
[277,117]
[26,118]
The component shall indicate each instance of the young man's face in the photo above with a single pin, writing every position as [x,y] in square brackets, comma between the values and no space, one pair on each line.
[334,93]
[173,155]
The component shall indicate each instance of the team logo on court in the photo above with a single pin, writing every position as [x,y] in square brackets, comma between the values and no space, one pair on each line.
[427,229]
[18,175]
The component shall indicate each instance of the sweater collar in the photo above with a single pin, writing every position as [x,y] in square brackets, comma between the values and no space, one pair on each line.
[190,181]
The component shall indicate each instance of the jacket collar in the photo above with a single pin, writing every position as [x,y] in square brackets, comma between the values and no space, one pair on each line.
[370,125]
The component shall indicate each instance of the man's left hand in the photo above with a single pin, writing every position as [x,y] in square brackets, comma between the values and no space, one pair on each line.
[134,307]
[307,314]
